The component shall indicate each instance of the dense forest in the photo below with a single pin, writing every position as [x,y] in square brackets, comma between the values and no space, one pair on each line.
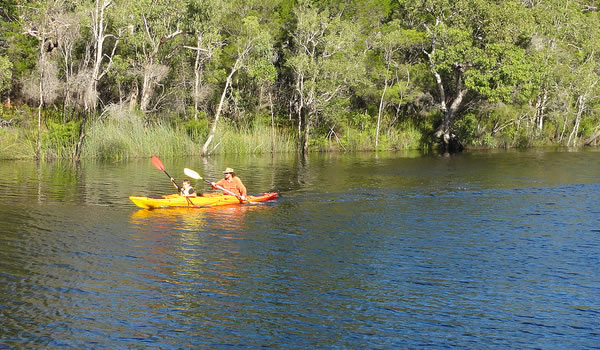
[119,79]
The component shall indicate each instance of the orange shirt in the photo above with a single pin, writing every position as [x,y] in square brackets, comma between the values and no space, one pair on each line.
[235,185]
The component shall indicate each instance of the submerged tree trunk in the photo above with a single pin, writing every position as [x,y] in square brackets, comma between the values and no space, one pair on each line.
[82,135]
[444,132]
[38,150]
[306,136]
[272,123]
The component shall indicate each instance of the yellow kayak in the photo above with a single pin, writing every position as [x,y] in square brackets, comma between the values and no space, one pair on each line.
[206,200]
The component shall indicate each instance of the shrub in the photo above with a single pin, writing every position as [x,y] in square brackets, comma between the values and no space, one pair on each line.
[59,140]
[197,130]
[466,128]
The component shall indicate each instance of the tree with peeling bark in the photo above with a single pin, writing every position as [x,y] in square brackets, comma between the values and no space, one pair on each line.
[474,46]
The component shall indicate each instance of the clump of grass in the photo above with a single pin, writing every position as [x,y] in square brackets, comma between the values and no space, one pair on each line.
[14,144]
[252,140]
[356,140]
[125,138]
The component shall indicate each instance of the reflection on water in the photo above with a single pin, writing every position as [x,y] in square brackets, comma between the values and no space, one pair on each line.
[488,250]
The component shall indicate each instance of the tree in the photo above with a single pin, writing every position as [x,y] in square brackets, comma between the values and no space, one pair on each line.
[152,26]
[5,74]
[99,24]
[7,12]
[252,47]
[37,20]
[566,50]
[394,42]
[324,61]
[202,20]
[475,46]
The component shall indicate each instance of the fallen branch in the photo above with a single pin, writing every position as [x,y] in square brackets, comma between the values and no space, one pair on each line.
[591,140]
[5,123]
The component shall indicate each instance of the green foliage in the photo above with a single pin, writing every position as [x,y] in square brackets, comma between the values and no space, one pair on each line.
[588,126]
[335,60]
[197,129]
[5,74]
[362,121]
[523,139]
[501,72]
[252,140]
[59,139]
[466,128]
[15,144]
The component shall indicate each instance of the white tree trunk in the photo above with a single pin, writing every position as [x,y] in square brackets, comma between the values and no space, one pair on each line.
[272,123]
[98,28]
[580,109]
[197,77]
[220,107]
[541,109]
[146,87]
[385,86]
[90,97]
[39,141]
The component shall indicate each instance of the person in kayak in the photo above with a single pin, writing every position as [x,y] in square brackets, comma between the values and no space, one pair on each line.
[186,188]
[231,183]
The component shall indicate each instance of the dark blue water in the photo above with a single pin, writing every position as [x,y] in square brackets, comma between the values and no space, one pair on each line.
[481,250]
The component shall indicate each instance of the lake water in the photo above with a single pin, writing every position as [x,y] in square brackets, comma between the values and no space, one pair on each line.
[395,250]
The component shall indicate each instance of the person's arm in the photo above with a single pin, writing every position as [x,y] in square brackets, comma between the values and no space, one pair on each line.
[175,184]
[218,183]
[242,189]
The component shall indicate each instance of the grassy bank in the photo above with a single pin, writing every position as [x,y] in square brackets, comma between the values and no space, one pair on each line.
[133,139]
[122,134]
[120,140]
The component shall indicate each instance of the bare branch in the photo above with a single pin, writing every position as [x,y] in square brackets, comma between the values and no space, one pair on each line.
[195,48]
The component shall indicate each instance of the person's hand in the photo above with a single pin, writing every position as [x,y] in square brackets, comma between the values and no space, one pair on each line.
[243,198]
[172,180]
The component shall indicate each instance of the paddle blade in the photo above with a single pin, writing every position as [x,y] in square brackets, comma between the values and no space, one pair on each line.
[192,174]
[157,163]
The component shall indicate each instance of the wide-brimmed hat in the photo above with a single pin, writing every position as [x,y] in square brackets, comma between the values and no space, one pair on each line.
[229,170]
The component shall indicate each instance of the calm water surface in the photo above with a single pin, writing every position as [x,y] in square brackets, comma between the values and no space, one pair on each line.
[478,250]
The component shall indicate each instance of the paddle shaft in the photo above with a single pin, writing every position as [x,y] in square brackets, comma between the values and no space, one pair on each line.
[224,190]
[173,182]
